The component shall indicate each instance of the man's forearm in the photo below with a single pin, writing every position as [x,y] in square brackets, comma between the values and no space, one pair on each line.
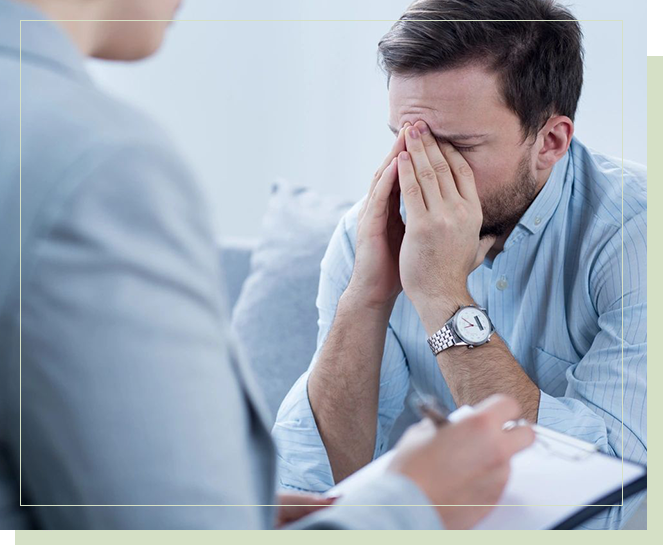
[344,385]
[474,374]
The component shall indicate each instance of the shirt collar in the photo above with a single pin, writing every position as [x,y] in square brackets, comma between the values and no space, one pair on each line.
[545,203]
[40,42]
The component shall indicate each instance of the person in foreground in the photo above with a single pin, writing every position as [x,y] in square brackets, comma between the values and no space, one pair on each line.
[511,232]
[122,384]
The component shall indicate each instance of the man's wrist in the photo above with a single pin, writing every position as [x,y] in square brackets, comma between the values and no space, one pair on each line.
[435,312]
[353,301]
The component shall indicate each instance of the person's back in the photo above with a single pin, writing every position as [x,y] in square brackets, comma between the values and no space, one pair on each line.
[124,398]
[104,196]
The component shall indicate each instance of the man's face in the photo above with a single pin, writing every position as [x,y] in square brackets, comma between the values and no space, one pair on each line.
[463,106]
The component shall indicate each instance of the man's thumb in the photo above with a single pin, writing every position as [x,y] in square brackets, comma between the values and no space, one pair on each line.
[485,244]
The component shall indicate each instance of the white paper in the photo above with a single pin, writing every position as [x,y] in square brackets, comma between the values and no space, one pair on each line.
[544,488]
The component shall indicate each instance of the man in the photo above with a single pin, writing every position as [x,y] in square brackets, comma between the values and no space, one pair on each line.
[505,211]
[122,384]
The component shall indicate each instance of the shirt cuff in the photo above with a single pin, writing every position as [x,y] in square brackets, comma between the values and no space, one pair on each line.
[574,418]
[392,503]
[302,461]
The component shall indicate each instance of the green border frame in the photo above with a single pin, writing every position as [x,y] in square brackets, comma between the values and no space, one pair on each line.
[269,20]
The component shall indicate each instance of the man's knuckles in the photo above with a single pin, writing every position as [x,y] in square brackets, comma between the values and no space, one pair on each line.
[465,170]
[441,167]
[412,190]
[426,175]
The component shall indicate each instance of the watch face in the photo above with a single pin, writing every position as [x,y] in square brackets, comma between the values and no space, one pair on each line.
[472,325]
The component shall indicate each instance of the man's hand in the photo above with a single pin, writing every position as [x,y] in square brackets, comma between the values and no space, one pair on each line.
[466,463]
[441,246]
[293,506]
[375,278]
[344,385]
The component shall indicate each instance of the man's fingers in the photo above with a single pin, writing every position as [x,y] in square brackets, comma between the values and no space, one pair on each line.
[410,188]
[462,173]
[485,244]
[438,162]
[378,201]
[423,169]
[399,145]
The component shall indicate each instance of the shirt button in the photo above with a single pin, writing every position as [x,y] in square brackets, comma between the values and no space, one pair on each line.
[502,284]
[537,220]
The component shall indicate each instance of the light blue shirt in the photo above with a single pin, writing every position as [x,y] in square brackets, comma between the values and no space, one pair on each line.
[555,296]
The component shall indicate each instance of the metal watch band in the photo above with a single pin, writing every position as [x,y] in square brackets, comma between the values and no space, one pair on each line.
[442,340]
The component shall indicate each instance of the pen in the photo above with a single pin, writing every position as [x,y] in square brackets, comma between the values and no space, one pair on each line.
[428,407]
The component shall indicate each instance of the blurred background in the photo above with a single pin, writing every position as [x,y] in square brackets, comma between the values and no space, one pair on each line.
[250,102]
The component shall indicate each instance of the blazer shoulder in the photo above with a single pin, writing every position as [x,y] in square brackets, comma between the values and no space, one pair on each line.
[75,117]
[78,143]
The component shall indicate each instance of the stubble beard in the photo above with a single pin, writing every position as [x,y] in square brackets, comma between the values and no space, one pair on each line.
[502,210]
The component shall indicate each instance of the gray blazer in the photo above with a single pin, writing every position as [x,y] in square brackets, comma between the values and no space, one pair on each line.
[121,383]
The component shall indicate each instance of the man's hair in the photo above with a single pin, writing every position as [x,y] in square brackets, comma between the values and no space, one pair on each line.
[538,57]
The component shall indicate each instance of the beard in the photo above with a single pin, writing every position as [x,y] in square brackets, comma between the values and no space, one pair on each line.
[502,210]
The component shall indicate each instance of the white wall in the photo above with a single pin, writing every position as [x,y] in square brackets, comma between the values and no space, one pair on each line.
[248,102]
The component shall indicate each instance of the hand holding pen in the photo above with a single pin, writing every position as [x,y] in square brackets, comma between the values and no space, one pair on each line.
[478,449]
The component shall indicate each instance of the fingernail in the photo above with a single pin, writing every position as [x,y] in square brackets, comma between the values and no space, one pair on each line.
[423,128]
[403,156]
[414,133]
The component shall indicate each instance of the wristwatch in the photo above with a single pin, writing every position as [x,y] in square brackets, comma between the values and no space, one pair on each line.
[470,326]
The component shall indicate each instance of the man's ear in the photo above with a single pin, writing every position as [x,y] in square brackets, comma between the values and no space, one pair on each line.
[555,139]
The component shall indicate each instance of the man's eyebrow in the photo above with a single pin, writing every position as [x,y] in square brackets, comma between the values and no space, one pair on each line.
[447,137]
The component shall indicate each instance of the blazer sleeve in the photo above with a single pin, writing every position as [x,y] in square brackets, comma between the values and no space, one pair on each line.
[135,402]
[130,389]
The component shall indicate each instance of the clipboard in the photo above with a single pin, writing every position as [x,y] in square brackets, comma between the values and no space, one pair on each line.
[615,498]
[560,482]
[557,483]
